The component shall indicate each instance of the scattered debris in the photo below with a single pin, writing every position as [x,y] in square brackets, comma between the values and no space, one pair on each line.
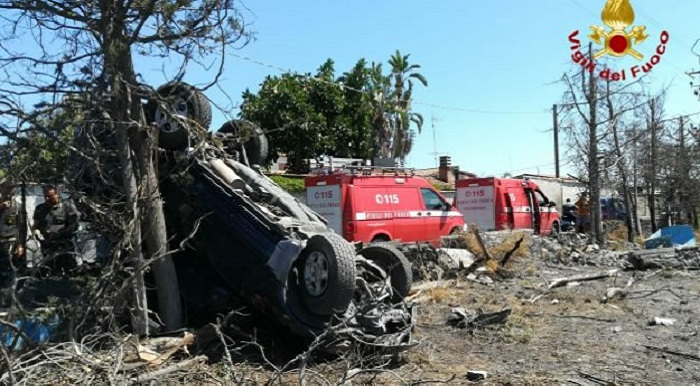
[473,375]
[614,292]
[670,258]
[657,321]
[460,318]
[578,278]
[665,350]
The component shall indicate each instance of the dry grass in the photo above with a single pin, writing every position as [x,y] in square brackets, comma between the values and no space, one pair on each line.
[438,295]
[618,233]
[469,241]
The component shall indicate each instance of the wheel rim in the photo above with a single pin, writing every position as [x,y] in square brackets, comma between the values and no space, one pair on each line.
[316,273]
[168,123]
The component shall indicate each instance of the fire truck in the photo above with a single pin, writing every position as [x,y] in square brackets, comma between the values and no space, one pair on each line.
[371,204]
[504,203]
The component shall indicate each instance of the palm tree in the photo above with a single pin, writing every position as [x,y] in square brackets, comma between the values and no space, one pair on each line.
[380,88]
[403,74]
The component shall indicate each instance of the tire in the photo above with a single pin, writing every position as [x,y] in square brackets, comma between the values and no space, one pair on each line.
[332,295]
[180,99]
[256,145]
[556,229]
[390,259]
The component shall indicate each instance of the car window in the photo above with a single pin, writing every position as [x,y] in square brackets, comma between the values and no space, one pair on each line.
[432,200]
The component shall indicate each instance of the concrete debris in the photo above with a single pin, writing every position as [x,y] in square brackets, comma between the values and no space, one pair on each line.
[474,376]
[460,318]
[657,321]
[670,258]
[455,258]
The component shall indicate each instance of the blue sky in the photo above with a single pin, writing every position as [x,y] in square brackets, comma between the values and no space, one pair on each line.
[502,56]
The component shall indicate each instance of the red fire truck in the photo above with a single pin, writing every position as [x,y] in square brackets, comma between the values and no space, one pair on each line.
[382,204]
[503,203]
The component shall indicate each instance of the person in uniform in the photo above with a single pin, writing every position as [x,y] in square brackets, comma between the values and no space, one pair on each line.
[55,224]
[584,213]
[11,247]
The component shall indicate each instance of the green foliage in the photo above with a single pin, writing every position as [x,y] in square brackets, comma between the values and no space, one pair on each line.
[294,185]
[442,187]
[360,114]
[41,154]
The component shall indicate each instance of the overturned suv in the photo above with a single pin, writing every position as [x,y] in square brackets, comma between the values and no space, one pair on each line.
[265,245]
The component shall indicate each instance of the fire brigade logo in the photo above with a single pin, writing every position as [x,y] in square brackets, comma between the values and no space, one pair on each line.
[618,15]
[618,40]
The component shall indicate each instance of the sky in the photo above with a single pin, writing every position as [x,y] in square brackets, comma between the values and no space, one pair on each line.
[493,67]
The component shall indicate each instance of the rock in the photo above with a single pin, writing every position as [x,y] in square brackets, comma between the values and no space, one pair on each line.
[592,248]
[617,329]
[473,375]
[657,321]
[555,301]
[455,258]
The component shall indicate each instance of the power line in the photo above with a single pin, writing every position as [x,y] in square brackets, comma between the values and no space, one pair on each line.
[345,87]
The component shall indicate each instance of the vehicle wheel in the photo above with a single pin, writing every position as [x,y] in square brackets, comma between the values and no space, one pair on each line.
[381,239]
[177,104]
[395,263]
[327,273]
[555,228]
[454,231]
[253,139]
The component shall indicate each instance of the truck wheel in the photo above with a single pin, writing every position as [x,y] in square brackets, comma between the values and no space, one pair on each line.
[556,229]
[177,103]
[252,137]
[327,273]
[395,263]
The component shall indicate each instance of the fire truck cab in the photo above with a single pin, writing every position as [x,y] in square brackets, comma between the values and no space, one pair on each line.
[370,204]
[504,203]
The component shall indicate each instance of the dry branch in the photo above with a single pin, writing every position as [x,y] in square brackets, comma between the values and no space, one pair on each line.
[159,374]
[564,281]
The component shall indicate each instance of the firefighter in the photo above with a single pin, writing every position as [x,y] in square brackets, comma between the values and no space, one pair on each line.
[583,213]
[55,224]
[11,247]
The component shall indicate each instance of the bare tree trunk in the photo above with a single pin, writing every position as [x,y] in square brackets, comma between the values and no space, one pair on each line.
[620,165]
[593,162]
[139,308]
[127,113]
[637,221]
[652,169]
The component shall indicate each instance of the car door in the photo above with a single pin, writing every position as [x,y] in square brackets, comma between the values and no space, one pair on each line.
[520,207]
[436,215]
[408,218]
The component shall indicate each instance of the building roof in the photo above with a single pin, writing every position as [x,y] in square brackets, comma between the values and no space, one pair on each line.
[548,177]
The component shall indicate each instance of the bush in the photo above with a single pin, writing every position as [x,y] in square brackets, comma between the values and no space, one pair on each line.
[294,185]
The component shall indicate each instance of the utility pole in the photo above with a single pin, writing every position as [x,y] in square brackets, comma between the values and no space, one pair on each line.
[434,119]
[556,139]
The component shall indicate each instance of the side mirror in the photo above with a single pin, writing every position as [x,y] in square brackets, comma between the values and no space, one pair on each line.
[552,204]
[448,206]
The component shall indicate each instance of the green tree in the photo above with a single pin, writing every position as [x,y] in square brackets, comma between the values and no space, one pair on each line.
[41,153]
[363,113]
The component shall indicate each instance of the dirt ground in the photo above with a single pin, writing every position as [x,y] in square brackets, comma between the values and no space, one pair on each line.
[566,336]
